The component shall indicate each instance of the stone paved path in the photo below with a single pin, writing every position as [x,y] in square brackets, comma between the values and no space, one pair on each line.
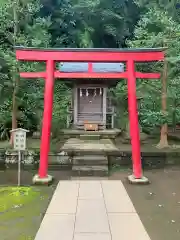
[91,210]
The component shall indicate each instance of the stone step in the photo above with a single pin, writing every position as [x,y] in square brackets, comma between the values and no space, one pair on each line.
[98,171]
[90,160]
[88,152]
[90,137]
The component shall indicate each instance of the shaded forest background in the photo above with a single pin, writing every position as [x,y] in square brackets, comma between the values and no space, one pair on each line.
[83,23]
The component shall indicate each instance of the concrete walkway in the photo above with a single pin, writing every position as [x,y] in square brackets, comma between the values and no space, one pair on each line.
[91,210]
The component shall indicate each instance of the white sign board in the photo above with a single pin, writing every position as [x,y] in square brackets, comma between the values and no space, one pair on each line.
[19,139]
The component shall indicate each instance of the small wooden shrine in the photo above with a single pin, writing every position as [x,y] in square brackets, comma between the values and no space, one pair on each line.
[91,106]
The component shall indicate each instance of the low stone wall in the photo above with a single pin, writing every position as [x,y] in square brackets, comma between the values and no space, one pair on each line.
[30,159]
[2,159]
[150,160]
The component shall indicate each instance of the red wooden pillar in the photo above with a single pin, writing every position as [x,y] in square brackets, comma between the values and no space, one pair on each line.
[133,119]
[47,118]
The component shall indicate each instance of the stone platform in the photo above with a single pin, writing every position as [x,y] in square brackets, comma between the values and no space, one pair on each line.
[91,210]
[78,145]
[76,133]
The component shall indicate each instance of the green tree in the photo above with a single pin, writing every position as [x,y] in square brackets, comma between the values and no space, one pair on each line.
[157,29]
[169,6]
[107,23]
[19,26]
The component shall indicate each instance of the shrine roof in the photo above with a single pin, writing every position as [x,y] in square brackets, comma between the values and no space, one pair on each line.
[91,49]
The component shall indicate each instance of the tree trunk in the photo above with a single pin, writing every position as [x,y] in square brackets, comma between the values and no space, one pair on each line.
[14,110]
[15,78]
[174,116]
[163,143]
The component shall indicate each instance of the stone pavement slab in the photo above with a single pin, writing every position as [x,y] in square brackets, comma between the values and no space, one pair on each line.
[92,236]
[65,198]
[116,197]
[90,190]
[127,226]
[56,227]
[91,217]
[91,210]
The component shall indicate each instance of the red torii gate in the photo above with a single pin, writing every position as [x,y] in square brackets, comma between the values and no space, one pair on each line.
[129,56]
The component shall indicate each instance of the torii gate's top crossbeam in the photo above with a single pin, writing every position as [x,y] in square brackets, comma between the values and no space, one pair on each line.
[90,55]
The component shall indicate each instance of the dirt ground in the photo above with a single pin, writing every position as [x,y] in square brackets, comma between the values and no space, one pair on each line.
[158,204]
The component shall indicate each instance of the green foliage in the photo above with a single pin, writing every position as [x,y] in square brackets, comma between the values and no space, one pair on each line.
[19,28]
[61,102]
[80,23]
[53,23]
[168,6]
[105,23]
[157,29]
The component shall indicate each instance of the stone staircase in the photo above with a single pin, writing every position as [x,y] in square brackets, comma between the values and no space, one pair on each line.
[90,165]
[89,154]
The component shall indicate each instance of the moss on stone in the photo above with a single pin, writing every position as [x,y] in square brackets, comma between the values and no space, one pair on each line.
[21,211]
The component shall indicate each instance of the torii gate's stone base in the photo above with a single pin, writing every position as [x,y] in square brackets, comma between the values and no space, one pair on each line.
[42,181]
[134,180]
[91,210]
